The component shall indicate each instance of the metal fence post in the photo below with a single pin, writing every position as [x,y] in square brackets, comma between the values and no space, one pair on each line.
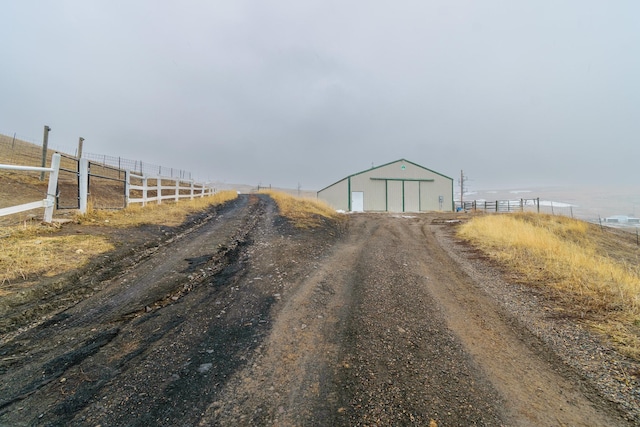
[45,142]
[80,143]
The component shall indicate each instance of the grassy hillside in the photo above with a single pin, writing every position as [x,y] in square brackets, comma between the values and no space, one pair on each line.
[302,211]
[594,272]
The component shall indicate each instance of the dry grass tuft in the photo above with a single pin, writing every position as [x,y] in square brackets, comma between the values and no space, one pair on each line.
[167,213]
[303,212]
[572,259]
[32,251]
[28,252]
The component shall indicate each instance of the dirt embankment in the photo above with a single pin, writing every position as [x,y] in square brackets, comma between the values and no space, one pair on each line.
[244,320]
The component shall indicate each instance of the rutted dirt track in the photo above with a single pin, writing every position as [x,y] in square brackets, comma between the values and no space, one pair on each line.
[244,320]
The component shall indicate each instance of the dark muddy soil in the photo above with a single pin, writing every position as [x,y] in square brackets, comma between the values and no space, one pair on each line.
[238,318]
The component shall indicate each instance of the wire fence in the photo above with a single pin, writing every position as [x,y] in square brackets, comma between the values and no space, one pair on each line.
[624,222]
[138,166]
[18,150]
[518,205]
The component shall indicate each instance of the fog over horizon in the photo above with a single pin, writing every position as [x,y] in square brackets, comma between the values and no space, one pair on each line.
[516,94]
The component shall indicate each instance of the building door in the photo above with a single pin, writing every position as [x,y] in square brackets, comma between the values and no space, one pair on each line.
[411,196]
[357,201]
[395,196]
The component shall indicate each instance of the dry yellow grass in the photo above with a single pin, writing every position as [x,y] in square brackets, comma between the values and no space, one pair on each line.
[34,251]
[30,251]
[303,212]
[567,257]
[167,213]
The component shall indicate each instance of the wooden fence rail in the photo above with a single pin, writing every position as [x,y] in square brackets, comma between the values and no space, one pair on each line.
[138,188]
[47,203]
[158,188]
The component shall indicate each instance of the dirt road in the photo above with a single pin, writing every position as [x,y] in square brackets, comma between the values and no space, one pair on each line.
[244,320]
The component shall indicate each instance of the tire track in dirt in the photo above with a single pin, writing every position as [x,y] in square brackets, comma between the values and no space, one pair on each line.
[293,378]
[58,368]
[403,365]
[280,326]
[358,341]
[387,330]
[536,387]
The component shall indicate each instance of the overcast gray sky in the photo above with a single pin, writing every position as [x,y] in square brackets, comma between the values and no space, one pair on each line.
[516,93]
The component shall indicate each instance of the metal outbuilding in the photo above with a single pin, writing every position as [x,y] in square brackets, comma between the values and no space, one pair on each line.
[400,186]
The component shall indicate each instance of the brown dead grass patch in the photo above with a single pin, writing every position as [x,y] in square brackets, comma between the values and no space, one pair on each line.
[33,251]
[167,213]
[303,212]
[28,252]
[595,274]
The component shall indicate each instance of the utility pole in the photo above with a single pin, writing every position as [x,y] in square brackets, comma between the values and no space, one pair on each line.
[461,189]
[45,142]
[463,180]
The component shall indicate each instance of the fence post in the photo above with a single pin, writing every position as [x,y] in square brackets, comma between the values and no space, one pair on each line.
[51,190]
[144,190]
[83,182]
[127,187]
[159,187]
[45,142]
[192,191]
[538,203]
[177,197]
[80,143]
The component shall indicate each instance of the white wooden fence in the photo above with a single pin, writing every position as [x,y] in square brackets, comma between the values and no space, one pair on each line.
[149,188]
[49,202]
[176,189]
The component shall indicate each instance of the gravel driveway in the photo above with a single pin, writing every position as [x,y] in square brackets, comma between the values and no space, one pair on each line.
[242,319]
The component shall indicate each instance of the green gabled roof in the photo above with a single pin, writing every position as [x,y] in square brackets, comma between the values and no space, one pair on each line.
[381,166]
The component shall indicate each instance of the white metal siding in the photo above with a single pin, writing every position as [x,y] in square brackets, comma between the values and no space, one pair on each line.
[337,195]
[385,192]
